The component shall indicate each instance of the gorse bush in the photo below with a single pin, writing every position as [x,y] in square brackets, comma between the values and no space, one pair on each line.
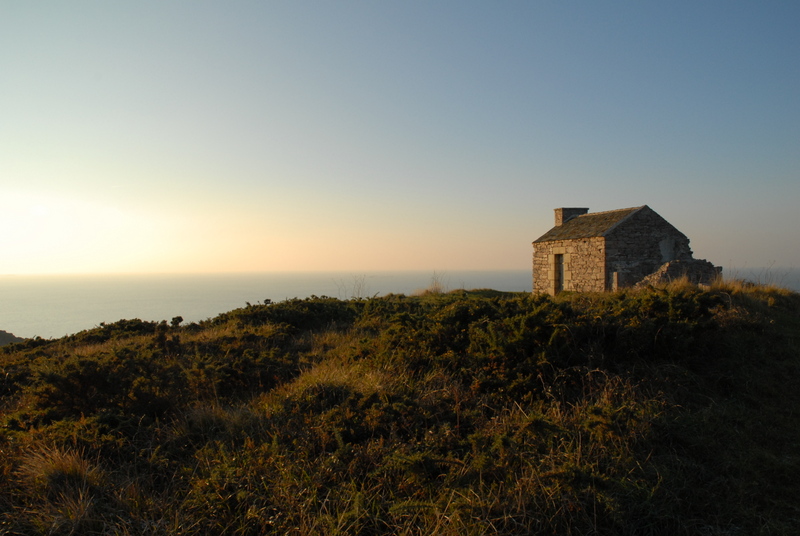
[669,410]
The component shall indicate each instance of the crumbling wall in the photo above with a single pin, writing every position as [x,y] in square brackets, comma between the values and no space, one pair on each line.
[697,271]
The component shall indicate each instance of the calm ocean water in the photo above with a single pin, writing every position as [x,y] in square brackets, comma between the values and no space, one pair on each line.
[54,306]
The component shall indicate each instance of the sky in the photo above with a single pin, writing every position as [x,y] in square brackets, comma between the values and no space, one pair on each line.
[239,136]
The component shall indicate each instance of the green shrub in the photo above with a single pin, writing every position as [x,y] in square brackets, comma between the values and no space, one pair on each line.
[662,411]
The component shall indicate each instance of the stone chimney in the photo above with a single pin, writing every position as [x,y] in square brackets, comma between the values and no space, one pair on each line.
[563,215]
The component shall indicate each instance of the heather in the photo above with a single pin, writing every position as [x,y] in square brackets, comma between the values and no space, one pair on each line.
[667,410]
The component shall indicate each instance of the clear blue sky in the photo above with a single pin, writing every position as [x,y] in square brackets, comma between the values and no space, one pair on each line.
[199,136]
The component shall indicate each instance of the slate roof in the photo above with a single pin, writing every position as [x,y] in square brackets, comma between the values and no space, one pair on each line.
[588,225]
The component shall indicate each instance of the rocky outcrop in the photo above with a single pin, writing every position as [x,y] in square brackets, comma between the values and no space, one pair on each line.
[697,271]
[8,338]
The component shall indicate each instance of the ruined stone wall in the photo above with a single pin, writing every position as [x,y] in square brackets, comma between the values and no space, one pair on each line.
[639,246]
[584,266]
[697,271]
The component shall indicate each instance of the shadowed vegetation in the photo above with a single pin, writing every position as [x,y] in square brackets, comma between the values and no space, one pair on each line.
[671,410]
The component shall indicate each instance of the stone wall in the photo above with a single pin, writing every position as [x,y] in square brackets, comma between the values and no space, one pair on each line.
[584,266]
[697,271]
[639,246]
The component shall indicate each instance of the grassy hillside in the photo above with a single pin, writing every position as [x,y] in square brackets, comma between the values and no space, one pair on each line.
[664,411]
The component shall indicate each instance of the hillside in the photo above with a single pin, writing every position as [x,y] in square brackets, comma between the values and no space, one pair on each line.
[8,338]
[664,411]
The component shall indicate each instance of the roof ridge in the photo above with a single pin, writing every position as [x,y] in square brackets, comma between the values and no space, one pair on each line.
[610,211]
[591,224]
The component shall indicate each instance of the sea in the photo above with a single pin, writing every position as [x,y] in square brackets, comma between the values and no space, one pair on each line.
[52,306]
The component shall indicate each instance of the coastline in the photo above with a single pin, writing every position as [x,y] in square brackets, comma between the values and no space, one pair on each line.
[51,306]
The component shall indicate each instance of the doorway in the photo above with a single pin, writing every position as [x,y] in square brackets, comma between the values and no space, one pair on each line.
[558,273]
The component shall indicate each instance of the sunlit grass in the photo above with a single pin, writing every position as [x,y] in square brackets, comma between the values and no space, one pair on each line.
[668,410]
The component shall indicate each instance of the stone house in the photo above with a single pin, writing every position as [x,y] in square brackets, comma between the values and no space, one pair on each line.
[609,250]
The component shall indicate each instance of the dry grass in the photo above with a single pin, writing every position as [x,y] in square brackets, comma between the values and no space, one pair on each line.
[65,491]
[742,286]
[356,377]
[58,471]
[517,415]
[437,286]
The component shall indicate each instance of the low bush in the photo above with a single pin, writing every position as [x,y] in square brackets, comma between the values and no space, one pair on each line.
[669,410]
